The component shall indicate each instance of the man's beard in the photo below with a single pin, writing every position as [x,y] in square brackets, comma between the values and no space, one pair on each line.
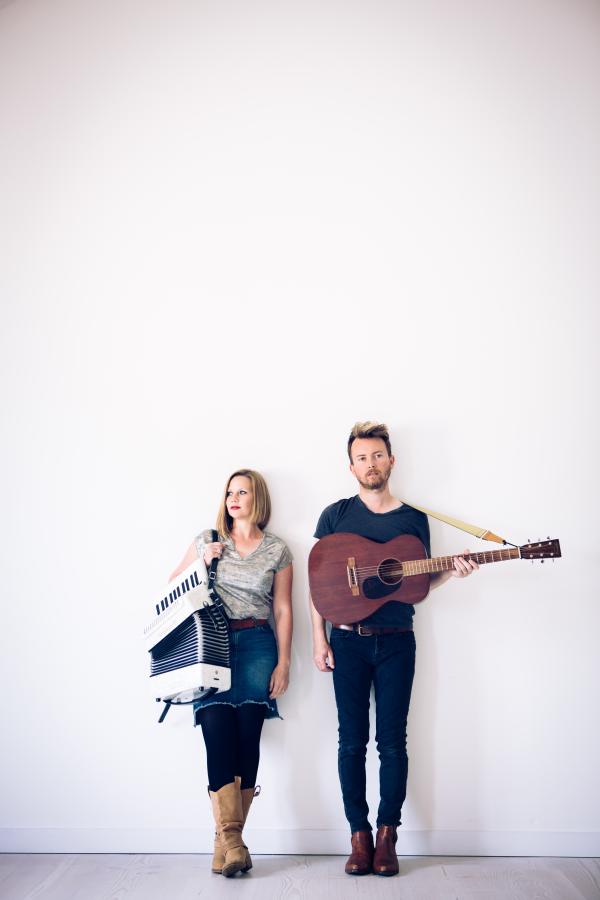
[375,484]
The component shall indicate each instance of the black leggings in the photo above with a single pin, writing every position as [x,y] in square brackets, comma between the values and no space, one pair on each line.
[232,738]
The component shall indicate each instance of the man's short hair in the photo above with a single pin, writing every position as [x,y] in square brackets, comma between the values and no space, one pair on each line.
[370,430]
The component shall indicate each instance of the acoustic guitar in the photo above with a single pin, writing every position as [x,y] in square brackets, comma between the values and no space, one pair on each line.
[351,577]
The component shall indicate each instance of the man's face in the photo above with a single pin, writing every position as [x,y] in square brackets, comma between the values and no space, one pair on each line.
[371,464]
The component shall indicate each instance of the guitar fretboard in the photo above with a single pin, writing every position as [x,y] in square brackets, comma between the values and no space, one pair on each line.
[445,563]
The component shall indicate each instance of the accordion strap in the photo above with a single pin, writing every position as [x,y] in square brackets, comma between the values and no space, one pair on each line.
[212,574]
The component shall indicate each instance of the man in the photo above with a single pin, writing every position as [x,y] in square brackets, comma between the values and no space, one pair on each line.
[380,652]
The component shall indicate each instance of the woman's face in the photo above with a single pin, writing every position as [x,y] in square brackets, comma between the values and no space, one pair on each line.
[239,497]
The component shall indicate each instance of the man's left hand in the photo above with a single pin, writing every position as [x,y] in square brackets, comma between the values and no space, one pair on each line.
[464,567]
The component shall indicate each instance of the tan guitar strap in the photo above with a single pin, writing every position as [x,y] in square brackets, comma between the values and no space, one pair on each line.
[482,533]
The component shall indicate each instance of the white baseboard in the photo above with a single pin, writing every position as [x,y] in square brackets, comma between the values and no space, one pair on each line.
[298,841]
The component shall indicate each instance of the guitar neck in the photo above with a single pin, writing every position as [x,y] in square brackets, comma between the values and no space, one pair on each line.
[445,563]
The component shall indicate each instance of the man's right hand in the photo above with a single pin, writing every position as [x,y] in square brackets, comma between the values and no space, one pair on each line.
[323,657]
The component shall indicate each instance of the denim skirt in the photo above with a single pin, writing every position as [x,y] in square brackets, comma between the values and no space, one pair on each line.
[253,656]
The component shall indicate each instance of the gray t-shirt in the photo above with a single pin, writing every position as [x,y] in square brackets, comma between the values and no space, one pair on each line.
[245,585]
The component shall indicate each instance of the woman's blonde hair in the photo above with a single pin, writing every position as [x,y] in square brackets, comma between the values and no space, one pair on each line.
[261,502]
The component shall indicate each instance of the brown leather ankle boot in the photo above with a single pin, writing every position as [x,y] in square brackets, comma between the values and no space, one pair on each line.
[360,861]
[385,861]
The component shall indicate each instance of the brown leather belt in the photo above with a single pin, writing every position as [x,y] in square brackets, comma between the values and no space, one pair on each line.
[370,630]
[238,624]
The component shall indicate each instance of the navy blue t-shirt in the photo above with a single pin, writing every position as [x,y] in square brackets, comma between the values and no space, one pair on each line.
[354,517]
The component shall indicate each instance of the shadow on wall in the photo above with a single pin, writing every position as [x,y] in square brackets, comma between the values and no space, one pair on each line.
[447,765]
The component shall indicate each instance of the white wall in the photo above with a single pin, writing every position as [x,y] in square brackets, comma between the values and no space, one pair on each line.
[229,231]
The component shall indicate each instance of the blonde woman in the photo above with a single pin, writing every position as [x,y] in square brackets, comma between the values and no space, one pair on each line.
[254,578]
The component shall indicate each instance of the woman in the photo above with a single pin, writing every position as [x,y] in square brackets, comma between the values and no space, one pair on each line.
[254,577]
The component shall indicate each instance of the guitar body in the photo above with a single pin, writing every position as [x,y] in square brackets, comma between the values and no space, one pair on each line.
[351,577]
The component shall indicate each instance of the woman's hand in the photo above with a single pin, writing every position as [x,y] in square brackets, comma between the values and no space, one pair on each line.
[212,551]
[282,617]
[280,678]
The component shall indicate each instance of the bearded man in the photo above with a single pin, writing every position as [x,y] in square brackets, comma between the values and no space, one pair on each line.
[378,651]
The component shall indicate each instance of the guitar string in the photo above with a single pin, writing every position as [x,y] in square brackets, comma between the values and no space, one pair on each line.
[479,557]
[383,569]
[442,559]
[390,569]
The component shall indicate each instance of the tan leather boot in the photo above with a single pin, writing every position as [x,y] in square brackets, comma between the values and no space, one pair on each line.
[218,852]
[248,795]
[218,855]
[227,802]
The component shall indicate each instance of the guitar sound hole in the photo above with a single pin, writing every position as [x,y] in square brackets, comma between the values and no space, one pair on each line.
[390,571]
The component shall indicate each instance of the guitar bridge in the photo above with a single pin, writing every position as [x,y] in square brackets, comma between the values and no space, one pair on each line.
[352,576]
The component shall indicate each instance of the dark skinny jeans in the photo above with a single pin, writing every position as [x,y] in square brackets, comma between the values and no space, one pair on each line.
[388,662]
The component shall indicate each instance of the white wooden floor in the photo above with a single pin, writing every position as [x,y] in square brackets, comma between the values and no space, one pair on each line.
[182,877]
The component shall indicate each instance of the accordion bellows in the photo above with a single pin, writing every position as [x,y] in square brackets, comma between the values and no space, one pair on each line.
[188,640]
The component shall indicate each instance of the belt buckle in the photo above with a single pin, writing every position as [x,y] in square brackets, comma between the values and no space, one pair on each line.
[362,633]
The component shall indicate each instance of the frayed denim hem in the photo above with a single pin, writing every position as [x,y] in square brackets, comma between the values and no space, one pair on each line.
[270,714]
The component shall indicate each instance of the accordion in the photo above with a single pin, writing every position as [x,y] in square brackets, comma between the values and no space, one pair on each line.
[188,640]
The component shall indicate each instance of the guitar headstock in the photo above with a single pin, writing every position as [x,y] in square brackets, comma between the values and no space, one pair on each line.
[541,550]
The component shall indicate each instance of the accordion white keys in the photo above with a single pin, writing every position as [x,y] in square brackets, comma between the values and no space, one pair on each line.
[188,640]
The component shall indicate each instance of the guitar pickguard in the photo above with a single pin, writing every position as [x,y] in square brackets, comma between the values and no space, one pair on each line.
[374,588]
[386,582]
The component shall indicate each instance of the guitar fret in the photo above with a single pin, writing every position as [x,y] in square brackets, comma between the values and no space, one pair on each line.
[445,563]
